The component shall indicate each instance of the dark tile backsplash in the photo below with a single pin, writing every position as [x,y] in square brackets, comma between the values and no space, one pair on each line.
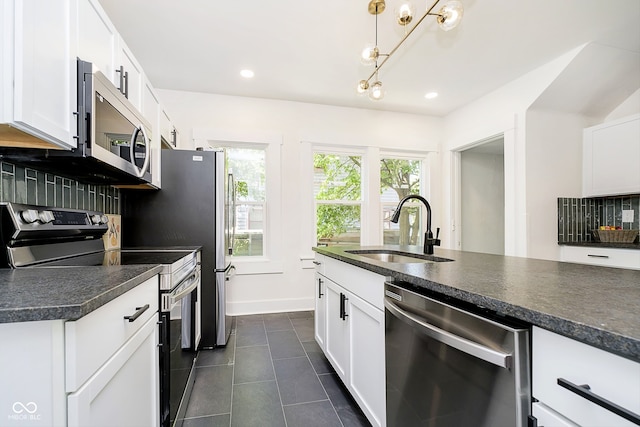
[25,185]
[577,217]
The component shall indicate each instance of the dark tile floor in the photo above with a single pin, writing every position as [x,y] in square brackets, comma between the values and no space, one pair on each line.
[271,373]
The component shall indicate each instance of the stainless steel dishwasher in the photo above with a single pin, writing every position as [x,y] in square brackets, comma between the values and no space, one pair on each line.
[450,367]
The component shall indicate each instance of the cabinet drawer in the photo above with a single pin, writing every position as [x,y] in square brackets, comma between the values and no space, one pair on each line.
[367,285]
[93,339]
[319,263]
[547,417]
[606,257]
[609,376]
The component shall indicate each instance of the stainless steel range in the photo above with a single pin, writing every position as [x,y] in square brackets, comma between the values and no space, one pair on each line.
[37,236]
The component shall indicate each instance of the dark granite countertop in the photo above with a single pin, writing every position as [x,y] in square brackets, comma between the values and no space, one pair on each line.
[67,293]
[596,305]
[614,245]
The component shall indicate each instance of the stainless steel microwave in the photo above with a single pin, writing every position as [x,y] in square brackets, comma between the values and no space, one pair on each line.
[114,139]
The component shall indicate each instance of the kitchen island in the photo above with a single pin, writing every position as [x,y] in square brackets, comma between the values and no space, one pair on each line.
[584,333]
[595,305]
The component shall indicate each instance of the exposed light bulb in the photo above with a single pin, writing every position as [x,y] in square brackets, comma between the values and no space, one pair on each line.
[450,15]
[369,54]
[431,95]
[363,85]
[247,74]
[376,91]
[404,13]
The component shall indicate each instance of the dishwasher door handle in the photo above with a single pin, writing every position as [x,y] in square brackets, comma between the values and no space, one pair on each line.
[479,351]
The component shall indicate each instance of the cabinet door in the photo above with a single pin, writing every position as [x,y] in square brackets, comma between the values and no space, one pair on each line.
[167,130]
[97,38]
[547,417]
[124,391]
[610,158]
[44,71]
[132,78]
[366,354]
[559,362]
[337,340]
[320,317]
[150,109]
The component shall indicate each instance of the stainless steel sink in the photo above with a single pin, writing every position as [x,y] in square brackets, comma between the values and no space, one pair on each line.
[398,257]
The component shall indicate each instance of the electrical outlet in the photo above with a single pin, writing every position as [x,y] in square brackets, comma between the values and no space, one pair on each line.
[627,215]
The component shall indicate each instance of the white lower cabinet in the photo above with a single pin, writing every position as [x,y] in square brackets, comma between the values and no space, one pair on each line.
[124,391]
[320,316]
[606,257]
[547,417]
[100,370]
[563,369]
[337,340]
[366,358]
[350,329]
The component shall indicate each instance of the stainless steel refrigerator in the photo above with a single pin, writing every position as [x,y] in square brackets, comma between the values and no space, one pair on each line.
[195,207]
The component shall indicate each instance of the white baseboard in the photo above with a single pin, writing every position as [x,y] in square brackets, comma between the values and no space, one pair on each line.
[241,308]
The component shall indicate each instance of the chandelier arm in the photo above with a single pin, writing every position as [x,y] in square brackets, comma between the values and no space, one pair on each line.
[388,55]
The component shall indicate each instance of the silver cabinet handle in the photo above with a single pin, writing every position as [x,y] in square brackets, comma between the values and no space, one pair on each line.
[597,256]
[317,262]
[474,349]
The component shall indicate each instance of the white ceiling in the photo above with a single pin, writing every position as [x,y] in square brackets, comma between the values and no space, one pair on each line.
[308,51]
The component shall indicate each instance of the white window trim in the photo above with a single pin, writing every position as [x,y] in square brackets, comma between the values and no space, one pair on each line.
[371,207]
[272,260]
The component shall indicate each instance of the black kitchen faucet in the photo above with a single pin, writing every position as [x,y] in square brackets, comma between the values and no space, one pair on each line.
[429,241]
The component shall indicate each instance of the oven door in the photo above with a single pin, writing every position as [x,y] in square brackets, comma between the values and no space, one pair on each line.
[178,354]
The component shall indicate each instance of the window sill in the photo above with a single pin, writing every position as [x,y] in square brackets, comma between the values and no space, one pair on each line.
[259,265]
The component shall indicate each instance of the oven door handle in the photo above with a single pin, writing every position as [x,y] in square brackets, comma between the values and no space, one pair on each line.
[185,287]
[479,351]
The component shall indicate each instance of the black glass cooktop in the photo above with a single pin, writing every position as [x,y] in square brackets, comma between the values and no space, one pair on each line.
[120,257]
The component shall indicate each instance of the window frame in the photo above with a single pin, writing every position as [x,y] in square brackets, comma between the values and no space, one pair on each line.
[371,207]
[423,158]
[271,261]
[344,151]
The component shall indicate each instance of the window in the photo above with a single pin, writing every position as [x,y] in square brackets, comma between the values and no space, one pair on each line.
[248,168]
[399,178]
[338,198]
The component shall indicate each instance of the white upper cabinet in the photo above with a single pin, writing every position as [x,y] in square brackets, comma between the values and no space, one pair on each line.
[150,110]
[611,158]
[168,131]
[100,44]
[38,71]
[130,76]
[97,39]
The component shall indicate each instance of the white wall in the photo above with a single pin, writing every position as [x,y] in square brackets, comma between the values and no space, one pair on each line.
[482,202]
[629,107]
[554,169]
[500,112]
[292,288]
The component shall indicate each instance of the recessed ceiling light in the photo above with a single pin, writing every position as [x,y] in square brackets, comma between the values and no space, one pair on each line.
[431,95]
[247,74]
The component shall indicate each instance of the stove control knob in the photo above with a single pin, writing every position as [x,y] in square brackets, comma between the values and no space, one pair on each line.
[46,217]
[29,216]
[99,219]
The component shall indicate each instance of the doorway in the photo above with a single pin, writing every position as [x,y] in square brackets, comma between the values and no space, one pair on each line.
[482,197]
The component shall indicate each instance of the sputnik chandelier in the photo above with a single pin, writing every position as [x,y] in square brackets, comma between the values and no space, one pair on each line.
[448,17]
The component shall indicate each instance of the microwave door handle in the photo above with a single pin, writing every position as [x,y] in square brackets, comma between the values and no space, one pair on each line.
[139,171]
[147,151]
